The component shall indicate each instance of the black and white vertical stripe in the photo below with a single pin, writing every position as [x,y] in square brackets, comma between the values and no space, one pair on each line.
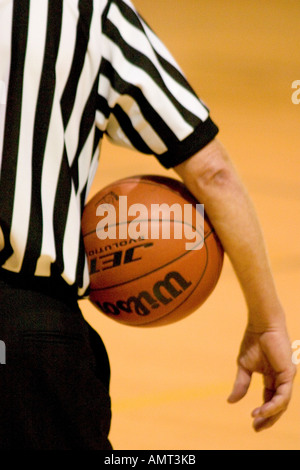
[74,70]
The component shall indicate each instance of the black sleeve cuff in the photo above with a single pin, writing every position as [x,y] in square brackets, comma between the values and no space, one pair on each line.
[202,135]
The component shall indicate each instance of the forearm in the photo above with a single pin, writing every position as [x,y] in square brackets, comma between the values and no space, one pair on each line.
[210,176]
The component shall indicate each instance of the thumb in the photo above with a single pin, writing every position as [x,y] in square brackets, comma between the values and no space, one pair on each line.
[241,385]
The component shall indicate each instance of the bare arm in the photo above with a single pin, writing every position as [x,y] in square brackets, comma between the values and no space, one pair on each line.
[266,349]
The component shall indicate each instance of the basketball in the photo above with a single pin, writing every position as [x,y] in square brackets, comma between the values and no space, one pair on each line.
[153,255]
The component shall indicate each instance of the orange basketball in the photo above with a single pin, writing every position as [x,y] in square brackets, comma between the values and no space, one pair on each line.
[153,255]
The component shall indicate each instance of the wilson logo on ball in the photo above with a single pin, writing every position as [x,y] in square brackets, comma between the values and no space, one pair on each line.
[163,292]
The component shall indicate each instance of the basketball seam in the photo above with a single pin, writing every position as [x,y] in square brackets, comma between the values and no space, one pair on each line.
[157,320]
[148,273]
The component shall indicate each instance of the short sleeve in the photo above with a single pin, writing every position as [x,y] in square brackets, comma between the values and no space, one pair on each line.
[144,99]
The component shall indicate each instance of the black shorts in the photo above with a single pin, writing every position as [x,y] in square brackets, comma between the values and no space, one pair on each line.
[54,384]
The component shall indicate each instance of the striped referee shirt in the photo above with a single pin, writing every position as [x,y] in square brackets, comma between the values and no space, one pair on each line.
[70,72]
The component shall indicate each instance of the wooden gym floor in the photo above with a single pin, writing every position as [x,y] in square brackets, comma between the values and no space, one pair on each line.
[169,385]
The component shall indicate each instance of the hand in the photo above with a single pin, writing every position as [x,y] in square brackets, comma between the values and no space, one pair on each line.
[269,353]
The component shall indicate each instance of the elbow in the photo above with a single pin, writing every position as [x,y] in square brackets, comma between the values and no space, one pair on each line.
[208,172]
[217,174]
[215,184]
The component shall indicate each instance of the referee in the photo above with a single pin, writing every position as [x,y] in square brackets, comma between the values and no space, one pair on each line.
[72,72]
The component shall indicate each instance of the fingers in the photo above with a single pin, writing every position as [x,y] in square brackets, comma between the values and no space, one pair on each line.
[276,399]
[260,423]
[241,385]
[276,402]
